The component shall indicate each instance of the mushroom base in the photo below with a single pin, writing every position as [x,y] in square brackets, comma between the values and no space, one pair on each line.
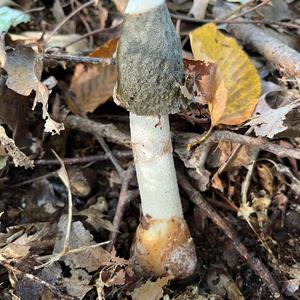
[164,247]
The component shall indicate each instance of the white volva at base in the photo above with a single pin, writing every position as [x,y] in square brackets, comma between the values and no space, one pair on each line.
[142,6]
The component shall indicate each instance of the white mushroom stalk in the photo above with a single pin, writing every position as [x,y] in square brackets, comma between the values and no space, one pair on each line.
[150,73]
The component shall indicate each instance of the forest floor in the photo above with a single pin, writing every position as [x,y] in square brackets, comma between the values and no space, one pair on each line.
[65,152]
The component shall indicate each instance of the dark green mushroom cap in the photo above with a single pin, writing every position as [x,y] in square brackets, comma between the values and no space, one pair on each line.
[149,61]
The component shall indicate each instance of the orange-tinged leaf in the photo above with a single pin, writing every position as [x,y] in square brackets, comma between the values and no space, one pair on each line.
[200,77]
[107,50]
[237,87]
[93,85]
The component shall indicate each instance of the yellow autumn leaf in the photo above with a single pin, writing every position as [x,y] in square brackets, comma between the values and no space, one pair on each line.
[237,84]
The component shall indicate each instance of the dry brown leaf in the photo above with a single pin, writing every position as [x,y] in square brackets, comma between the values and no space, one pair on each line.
[95,216]
[217,183]
[24,68]
[90,258]
[151,290]
[267,121]
[15,251]
[93,85]
[266,178]
[200,77]
[19,66]
[221,283]
[78,285]
[224,150]
[13,113]
[19,158]
[57,41]
[118,278]
[59,15]
[121,5]
[237,85]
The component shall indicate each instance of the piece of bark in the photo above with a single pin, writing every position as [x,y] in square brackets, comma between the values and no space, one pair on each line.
[109,131]
[285,59]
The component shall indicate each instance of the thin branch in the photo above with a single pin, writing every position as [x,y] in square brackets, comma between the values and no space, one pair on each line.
[231,156]
[60,24]
[82,160]
[110,156]
[204,21]
[255,263]
[123,199]
[28,181]
[246,182]
[109,131]
[112,32]
[85,23]
[80,59]
[249,10]
[260,143]
[284,58]
[63,176]
[34,278]
[239,8]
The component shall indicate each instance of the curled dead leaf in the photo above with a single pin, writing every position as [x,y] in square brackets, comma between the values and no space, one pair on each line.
[19,158]
[93,85]
[24,67]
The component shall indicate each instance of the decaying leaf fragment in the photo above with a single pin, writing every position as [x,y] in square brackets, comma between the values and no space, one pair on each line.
[237,86]
[199,80]
[267,121]
[71,43]
[93,85]
[151,290]
[221,283]
[91,258]
[24,67]
[19,158]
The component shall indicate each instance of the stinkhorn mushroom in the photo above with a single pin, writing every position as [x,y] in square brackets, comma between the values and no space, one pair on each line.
[150,72]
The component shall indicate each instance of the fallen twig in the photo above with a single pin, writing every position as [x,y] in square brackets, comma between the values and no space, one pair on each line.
[233,153]
[73,13]
[82,160]
[285,59]
[111,157]
[246,182]
[238,9]
[109,131]
[246,21]
[260,143]
[104,34]
[123,197]
[112,133]
[263,3]
[255,263]
[79,59]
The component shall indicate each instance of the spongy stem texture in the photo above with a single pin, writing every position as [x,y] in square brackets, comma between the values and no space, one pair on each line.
[152,149]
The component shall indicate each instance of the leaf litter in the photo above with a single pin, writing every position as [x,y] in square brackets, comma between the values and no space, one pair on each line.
[54,248]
